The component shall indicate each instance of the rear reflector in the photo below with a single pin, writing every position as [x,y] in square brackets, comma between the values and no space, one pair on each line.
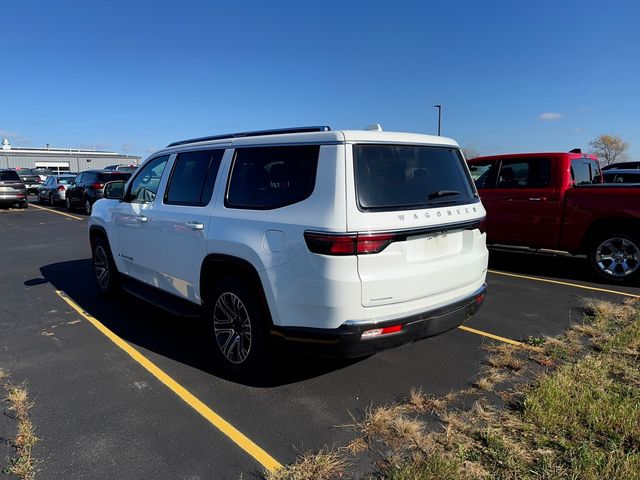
[376,332]
[480,299]
[347,244]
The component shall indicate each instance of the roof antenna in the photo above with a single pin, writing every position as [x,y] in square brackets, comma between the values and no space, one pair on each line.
[374,127]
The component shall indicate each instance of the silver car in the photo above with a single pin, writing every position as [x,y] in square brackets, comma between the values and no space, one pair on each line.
[54,189]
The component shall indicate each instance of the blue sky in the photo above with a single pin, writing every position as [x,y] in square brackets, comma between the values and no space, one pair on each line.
[134,76]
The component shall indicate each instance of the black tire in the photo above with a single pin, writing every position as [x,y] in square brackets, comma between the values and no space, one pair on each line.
[243,350]
[104,268]
[87,206]
[68,204]
[52,202]
[24,204]
[40,201]
[615,256]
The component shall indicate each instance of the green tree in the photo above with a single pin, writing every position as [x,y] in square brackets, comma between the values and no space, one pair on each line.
[609,149]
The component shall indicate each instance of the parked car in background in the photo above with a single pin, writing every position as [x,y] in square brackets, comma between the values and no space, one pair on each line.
[558,201]
[12,189]
[43,173]
[87,188]
[623,175]
[30,178]
[122,167]
[54,188]
[622,165]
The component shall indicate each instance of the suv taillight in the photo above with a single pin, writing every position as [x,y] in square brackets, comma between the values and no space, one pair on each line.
[60,188]
[347,244]
[97,186]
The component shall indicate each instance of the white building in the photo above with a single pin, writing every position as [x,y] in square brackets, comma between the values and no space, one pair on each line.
[60,159]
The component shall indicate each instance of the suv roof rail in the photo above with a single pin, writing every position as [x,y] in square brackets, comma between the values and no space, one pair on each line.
[255,133]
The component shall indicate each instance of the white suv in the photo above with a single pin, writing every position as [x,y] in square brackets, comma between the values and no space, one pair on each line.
[338,242]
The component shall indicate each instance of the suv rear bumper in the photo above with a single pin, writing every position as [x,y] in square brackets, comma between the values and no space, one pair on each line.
[347,340]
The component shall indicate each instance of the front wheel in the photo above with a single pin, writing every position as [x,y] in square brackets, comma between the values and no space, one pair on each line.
[87,206]
[615,256]
[238,328]
[104,267]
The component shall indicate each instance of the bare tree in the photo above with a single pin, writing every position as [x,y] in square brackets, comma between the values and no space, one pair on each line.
[470,153]
[609,148]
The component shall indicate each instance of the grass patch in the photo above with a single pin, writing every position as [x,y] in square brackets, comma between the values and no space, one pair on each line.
[21,464]
[554,408]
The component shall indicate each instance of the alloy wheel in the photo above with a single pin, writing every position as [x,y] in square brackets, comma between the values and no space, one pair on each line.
[232,328]
[618,257]
[101,267]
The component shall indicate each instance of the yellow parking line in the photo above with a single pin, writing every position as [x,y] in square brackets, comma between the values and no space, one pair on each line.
[262,457]
[56,211]
[490,335]
[557,282]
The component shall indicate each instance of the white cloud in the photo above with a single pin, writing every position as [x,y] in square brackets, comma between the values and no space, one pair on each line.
[546,116]
[8,134]
[578,130]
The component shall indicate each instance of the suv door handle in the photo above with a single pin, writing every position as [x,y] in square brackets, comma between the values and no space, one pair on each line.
[141,218]
[537,199]
[195,225]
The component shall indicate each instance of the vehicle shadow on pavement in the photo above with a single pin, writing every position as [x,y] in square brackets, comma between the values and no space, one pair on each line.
[184,340]
[559,266]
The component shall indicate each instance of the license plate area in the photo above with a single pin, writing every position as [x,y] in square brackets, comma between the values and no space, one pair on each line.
[426,247]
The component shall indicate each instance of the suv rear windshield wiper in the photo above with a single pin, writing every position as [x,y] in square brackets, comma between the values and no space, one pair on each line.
[442,193]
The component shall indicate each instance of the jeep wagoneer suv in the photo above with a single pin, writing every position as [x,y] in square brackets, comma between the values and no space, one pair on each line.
[339,242]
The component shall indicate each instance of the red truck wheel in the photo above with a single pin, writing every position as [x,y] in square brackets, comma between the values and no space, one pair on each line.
[615,256]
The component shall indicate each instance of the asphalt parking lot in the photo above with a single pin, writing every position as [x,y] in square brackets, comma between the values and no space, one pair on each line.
[101,413]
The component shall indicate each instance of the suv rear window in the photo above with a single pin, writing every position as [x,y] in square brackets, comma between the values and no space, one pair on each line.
[265,178]
[110,177]
[404,177]
[9,175]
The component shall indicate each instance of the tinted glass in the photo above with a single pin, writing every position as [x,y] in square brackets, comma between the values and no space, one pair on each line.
[110,177]
[193,173]
[528,173]
[272,177]
[65,180]
[584,171]
[400,177]
[9,175]
[484,174]
[145,185]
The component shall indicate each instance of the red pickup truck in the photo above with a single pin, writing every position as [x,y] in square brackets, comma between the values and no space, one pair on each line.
[558,201]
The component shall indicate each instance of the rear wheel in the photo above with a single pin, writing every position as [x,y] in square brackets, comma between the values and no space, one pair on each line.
[615,256]
[104,267]
[69,205]
[24,204]
[238,329]
[40,200]
[51,201]
[87,206]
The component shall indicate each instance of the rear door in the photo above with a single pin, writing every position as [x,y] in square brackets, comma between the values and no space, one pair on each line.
[180,222]
[419,208]
[523,207]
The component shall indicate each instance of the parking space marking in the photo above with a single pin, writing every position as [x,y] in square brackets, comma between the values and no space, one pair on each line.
[262,457]
[490,335]
[568,284]
[56,211]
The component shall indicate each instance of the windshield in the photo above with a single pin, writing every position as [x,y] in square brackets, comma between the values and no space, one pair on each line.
[9,175]
[65,180]
[25,171]
[403,177]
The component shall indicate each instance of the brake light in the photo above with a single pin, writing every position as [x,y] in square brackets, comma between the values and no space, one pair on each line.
[347,244]
[376,332]
[60,188]
[97,186]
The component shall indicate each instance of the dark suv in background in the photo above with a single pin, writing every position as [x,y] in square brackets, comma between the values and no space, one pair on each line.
[87,188]
[12,189]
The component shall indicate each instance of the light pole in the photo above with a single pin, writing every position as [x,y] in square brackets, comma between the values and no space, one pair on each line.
[439,107]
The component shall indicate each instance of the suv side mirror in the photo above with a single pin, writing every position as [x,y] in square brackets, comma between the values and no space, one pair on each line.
[114,190]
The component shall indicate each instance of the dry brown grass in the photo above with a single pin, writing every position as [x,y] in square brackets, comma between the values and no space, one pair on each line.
[323,465]
[22,464]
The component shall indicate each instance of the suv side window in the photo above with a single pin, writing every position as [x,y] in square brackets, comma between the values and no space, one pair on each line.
[78,179]
[264,178]
[528,173]
[192,178]
[144,186]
